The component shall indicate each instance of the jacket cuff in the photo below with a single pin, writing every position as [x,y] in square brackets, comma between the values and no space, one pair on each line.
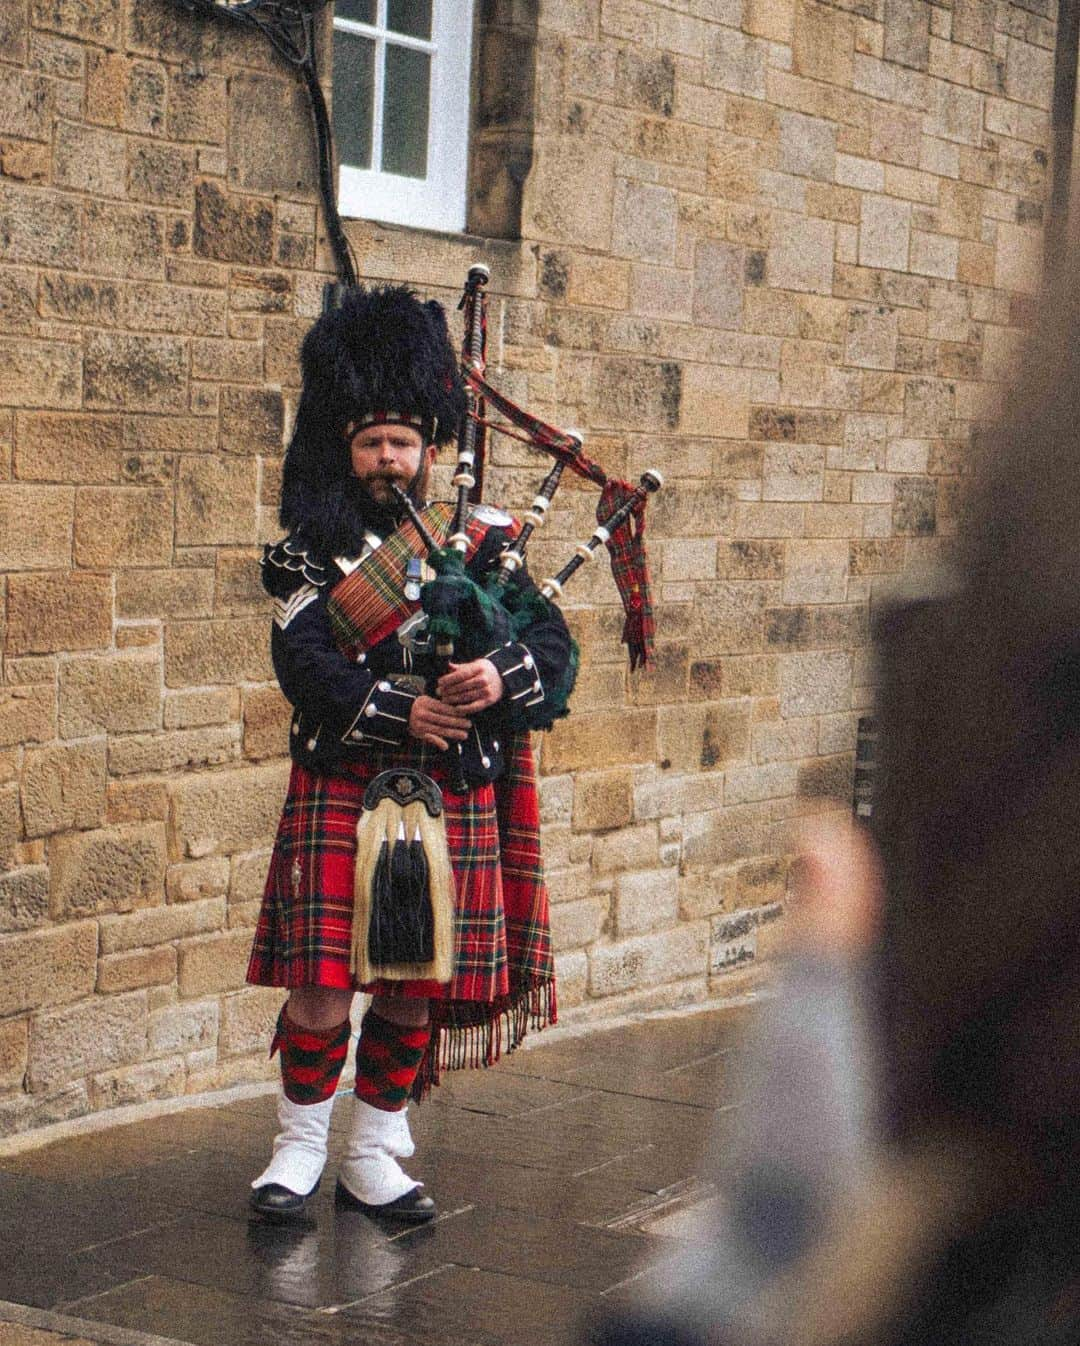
[521,678]
[384,715]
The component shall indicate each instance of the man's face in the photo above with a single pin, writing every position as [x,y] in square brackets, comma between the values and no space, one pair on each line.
[385,454]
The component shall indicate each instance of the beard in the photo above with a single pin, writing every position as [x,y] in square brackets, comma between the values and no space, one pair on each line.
[374,489]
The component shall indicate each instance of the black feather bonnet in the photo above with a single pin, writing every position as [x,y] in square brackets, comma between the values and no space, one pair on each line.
[381,351]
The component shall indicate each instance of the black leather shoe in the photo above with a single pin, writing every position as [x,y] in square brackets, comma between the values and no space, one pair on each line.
[412,1208]
[278,1203]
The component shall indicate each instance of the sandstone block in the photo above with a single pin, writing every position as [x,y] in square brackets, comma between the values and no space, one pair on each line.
[248,1019]
[93,20]
[807,146]
[136,802]
[213,963]
[66,448]
[160,925]
[58,611]
[181,309]
[198,108]
[10,823]
[165,593]
[136,754]
[40,226]
[646,900]
[645,221]
[122,241]
[88,159]
[197,653]
[116,694]
[914,511]
[24,898]
[137,1084]
[769,780]
[801,257]
[715,401]
[824,43]
[27,714]
[232,228]
[35,531]
[252,420]
[107,870]
[793,472]
[907,33]
[47,967]
[70,1043]
[136,373]
[816,572]
[215,500]
[123,526]
[270,149]
[884,233]
[735,62]
[755,883]
[602,800]
[827,778]
[751,675]
[266,723]
[186,1027]
[634,847]
[815,683]
[692,508]
[26,106]
[585,741]
[572,977]
[664,680]
[571,192]
[247,877]
[238,586]
[63,788]
[41,373]
[161,175]
[194,709]
[143,967]
[719,281]
[576,924]
[225,811]
[556,798]
[18,289]
[648,960]
[733,940]
[14,1046]
[197,880]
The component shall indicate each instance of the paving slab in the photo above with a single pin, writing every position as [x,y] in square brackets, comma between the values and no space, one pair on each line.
[561,1175]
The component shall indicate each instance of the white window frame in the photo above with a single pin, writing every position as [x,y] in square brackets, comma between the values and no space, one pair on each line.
[438,201]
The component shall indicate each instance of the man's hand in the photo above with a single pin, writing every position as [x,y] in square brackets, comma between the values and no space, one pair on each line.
[471,687]
[434,722]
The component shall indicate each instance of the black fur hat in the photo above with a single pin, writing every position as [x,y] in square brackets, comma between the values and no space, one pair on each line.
[381,354]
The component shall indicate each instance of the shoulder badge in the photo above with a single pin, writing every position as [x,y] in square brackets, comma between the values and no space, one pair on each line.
[494,518]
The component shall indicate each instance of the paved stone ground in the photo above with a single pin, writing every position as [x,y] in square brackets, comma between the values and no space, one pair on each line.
[560,1175]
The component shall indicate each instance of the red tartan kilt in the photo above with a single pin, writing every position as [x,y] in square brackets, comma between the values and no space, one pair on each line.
[303,937]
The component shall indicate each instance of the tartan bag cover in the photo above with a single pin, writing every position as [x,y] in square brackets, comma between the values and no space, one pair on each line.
[503,978]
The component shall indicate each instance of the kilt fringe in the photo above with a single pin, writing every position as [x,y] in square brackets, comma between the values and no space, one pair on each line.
[468,1035]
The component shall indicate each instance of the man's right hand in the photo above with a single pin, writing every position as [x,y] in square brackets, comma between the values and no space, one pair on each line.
[435,722]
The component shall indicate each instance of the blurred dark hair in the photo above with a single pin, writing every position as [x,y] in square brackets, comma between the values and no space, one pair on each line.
[978,817]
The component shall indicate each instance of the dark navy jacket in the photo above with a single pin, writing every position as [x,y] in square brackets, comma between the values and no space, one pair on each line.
[343,708]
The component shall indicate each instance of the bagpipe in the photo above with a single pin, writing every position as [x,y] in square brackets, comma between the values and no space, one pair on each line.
[620,511]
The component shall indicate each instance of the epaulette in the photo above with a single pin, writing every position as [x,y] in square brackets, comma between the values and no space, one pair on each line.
[286,565]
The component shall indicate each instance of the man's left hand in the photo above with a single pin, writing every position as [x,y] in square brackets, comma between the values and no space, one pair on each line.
[471,687]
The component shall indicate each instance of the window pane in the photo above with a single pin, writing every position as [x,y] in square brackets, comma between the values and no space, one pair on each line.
[412,17]
[360,11]
[354,97]
[405,112]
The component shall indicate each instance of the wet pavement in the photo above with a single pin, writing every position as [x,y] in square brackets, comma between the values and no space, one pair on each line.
[560,1175]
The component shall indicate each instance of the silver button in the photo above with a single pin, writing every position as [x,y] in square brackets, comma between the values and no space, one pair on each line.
[528,661]
[357,733]
[384,686]
[361,658]
[536,685]
[370,709]
[495,744]
[485,761]
[311,745]
[296,728]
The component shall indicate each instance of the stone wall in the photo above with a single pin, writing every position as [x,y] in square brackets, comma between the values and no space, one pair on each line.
[781,249]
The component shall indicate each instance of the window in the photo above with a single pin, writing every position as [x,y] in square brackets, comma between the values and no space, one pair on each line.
[401,109]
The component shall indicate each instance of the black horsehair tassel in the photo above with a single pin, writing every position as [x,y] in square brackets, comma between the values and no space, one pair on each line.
[402,927]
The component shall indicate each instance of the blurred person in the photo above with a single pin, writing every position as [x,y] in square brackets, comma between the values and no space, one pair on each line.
[905,1167]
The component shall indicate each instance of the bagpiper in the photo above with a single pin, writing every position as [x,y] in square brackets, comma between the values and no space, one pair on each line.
[407,861]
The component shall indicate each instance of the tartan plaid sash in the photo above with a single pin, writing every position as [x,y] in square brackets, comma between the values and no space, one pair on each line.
[366,606]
